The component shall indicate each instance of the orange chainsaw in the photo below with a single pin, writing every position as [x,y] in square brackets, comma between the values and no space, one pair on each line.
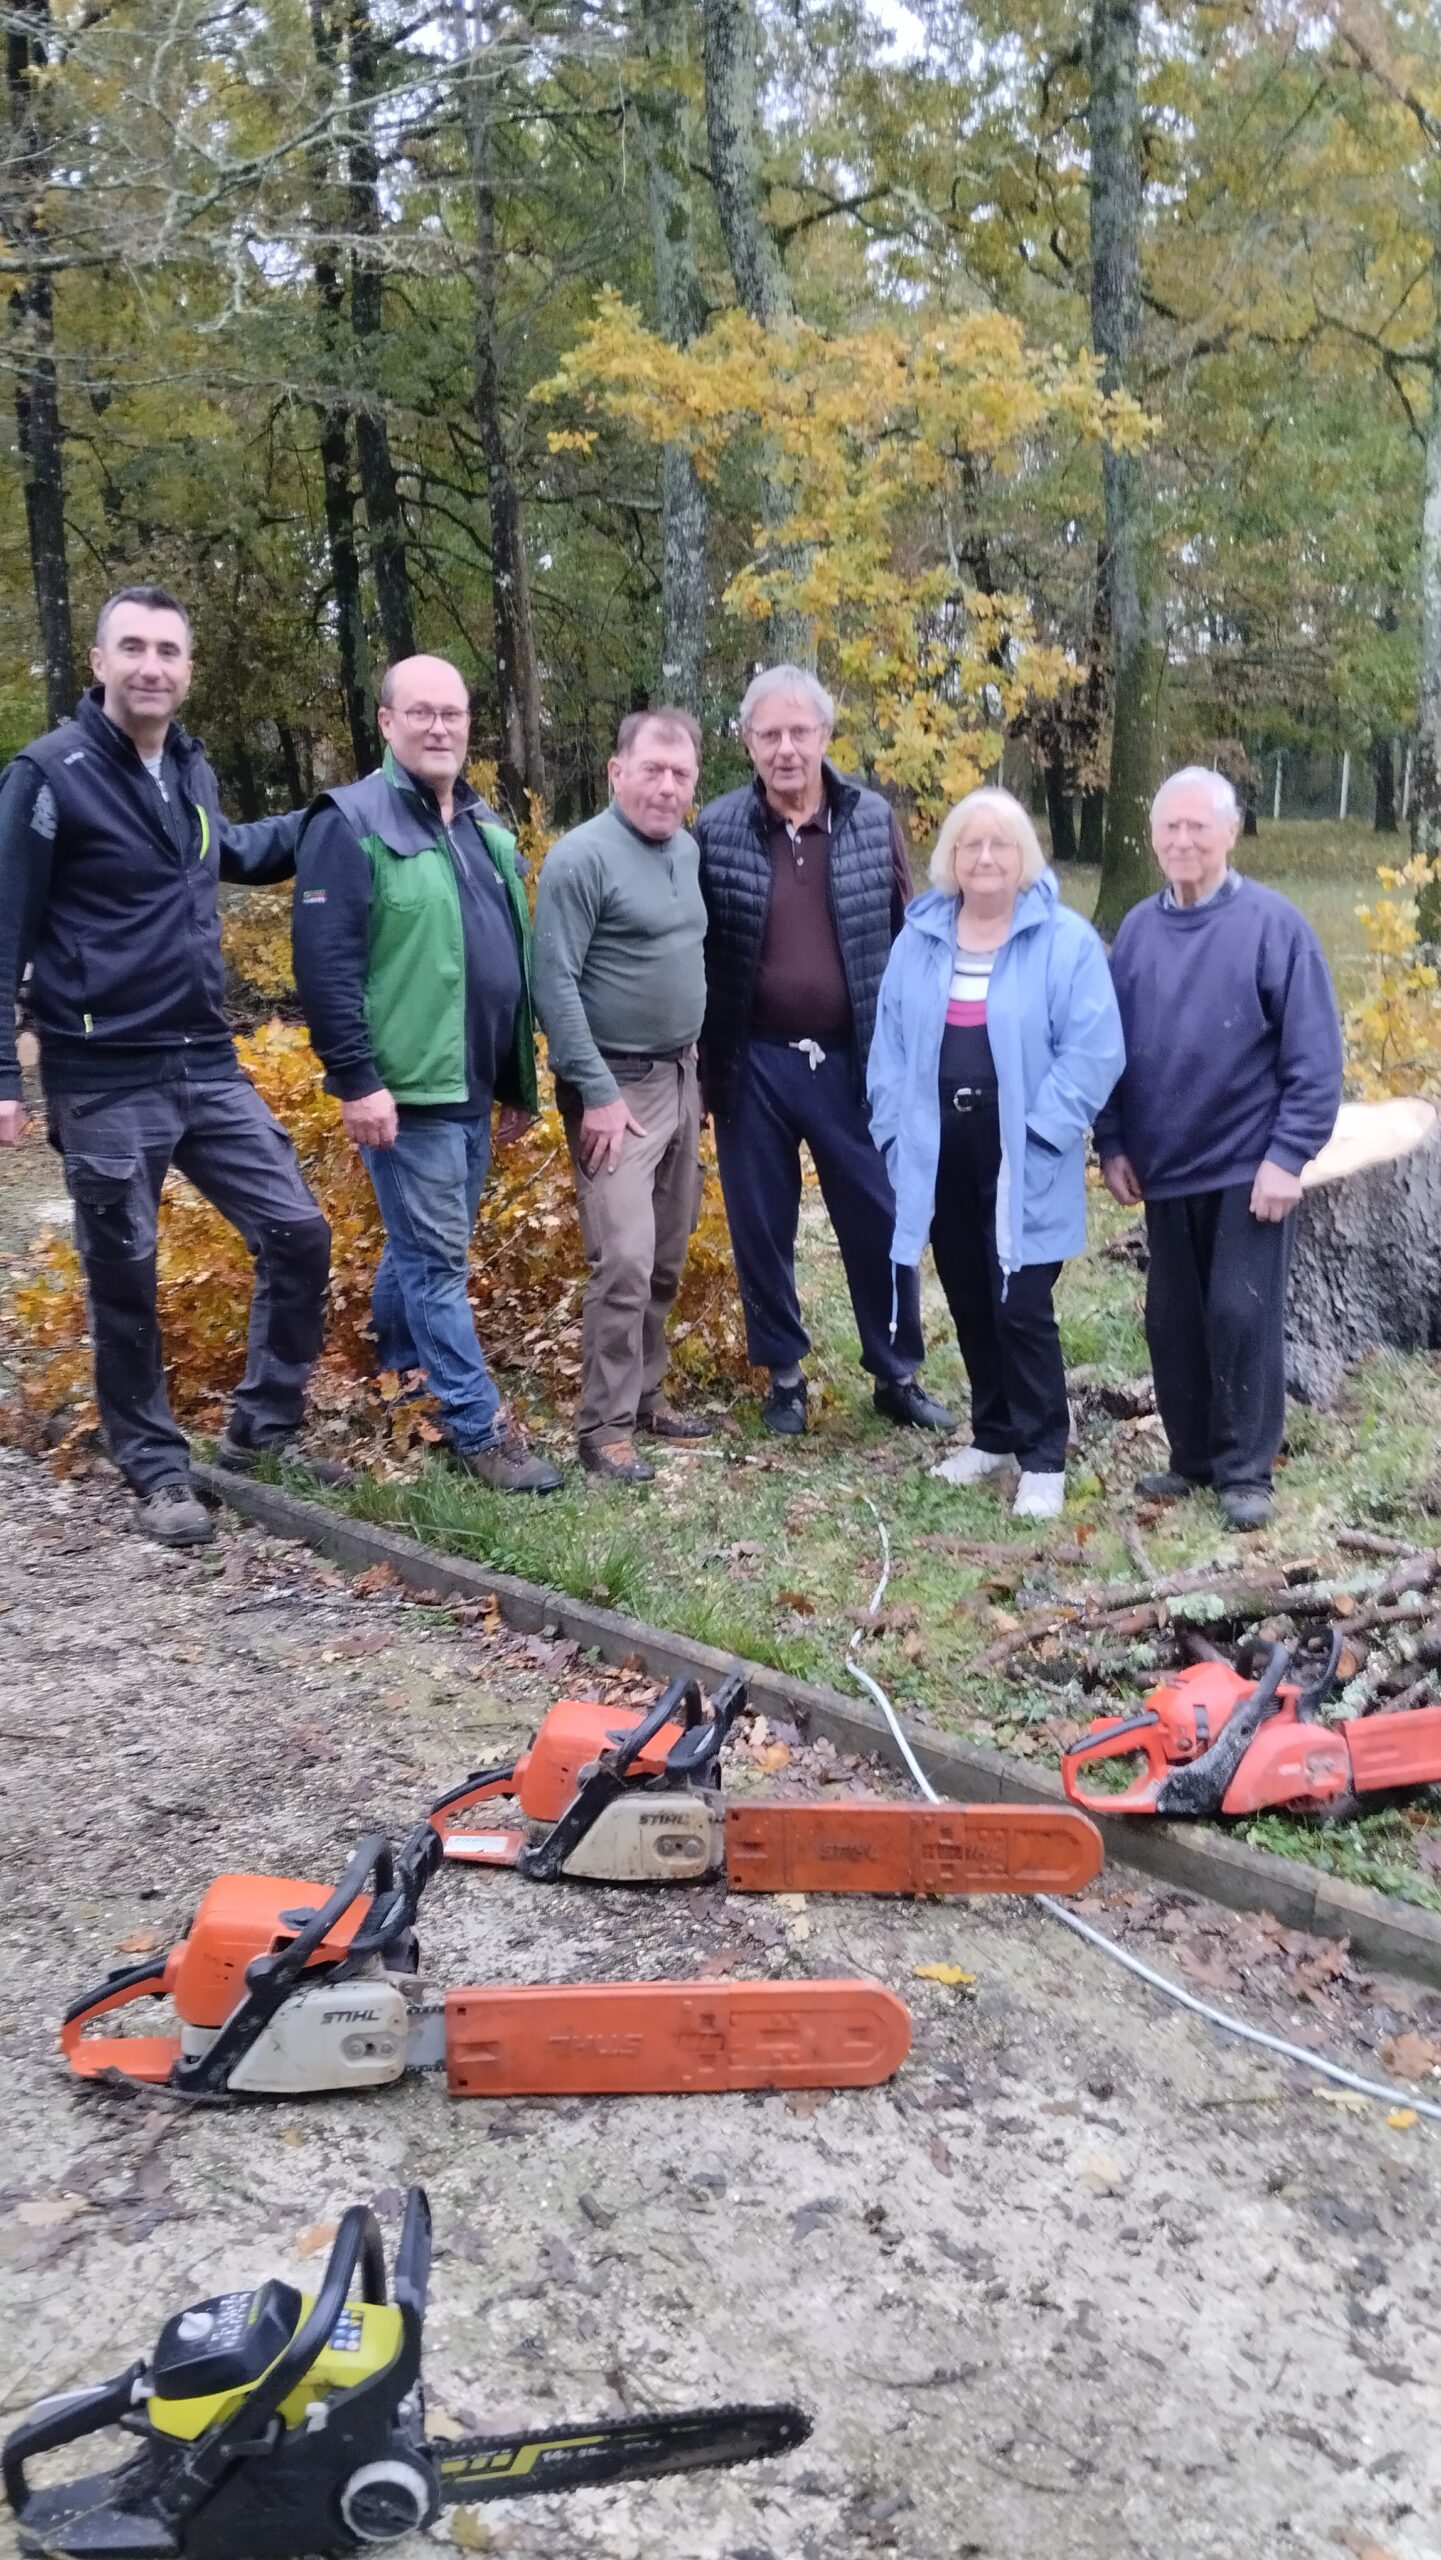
[627,1798]
[282,1988]
[1215,1742]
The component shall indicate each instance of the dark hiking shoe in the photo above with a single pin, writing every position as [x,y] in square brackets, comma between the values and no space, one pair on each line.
[237,1458]
[905,1400]
[175,1516]
[1167,1486]
[784,1409]
[1246,1507]
[616,1459]
[664,1423]
[508,1466]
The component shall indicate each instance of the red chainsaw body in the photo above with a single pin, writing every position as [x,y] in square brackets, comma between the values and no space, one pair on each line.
[238,1918]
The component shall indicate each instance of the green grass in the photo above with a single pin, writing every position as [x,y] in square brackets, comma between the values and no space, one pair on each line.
[768,1548]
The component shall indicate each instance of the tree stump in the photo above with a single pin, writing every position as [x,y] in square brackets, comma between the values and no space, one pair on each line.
[1366,1255]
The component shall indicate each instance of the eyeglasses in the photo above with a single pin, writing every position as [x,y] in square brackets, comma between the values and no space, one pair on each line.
[424,715]
[799,732]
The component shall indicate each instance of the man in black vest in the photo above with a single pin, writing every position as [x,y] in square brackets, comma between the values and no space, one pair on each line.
[806,880]
[111,846]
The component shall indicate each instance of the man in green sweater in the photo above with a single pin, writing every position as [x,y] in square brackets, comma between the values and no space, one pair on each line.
[620,990]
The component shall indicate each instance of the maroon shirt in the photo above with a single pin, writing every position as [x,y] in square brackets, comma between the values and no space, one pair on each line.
[800,989]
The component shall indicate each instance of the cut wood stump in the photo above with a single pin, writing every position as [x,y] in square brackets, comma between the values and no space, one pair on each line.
[1366,1255]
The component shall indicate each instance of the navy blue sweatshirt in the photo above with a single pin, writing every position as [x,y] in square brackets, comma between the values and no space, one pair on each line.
[1233,1046]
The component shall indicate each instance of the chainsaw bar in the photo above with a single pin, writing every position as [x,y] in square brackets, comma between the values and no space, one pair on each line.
[533,2463]
[851,1847]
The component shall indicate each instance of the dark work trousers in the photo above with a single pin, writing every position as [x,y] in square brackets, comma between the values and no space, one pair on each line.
[781,1103]
[1215,1323]
[118,1148]
[1006,1329]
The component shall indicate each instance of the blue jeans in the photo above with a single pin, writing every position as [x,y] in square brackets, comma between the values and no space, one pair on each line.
[428,1186]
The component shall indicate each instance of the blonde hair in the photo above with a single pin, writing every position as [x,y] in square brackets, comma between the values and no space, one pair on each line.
[994,803]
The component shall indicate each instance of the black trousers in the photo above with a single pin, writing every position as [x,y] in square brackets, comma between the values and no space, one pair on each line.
[1007,1331]
[118,1148]
[1215,1322]
[782,1102]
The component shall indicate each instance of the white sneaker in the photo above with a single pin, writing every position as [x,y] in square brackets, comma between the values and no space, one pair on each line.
[1039,1498]
[968,1465]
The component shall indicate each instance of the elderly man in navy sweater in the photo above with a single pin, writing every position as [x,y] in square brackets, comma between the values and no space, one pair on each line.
[1231,1085]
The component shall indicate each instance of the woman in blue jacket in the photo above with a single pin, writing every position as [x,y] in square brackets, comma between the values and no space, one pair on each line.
[997,1041]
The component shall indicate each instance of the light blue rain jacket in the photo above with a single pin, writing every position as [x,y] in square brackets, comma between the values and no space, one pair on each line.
[1056,1040]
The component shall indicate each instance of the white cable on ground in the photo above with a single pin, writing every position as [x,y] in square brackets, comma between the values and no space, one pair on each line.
[1095,1937]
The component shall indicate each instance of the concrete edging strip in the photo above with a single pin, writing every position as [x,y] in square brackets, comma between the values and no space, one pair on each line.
[1398,1936]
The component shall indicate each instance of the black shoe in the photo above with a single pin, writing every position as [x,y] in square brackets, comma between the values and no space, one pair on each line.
[905,1400]
[1167,1486]
[237,1458]
[784,1409]
[616,1459]
[1246,1506]
[174,1515]
[508,1466]
[664,1423]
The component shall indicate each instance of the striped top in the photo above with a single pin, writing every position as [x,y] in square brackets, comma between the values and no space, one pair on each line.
[969,987]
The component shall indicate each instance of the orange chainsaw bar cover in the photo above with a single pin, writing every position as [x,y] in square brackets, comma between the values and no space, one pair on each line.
[608,2038]
[855,1847]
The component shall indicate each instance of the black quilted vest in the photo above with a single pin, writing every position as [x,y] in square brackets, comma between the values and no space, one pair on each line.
[735,876]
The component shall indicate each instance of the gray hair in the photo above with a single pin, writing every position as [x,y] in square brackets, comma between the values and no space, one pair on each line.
[1202,777]
[786,680]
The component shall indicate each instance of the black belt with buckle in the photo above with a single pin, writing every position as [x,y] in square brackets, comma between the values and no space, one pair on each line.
[973,1097]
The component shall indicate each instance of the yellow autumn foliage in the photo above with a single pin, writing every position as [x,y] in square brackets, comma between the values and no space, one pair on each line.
[527,1272]
[1394,1034]
[874,438]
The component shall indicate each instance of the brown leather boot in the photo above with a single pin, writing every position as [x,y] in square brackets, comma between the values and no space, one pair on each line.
[616,1459]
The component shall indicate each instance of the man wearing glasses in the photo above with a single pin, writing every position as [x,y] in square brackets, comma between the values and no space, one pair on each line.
[805,879]
[412,958]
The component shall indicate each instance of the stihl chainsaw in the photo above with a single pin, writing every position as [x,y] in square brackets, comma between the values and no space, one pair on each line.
[1215,1742]
[282,1988]
[624,1798]
[274,2424]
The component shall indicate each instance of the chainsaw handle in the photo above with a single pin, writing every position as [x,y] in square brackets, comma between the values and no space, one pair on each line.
[499,1781]
[373,1857]
[357,2242]
[127,1983]
[1121,1741]
[701,1746]
[63,2419]
[679,1701]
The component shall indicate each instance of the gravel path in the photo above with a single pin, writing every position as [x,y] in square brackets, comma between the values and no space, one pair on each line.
[1086,2279]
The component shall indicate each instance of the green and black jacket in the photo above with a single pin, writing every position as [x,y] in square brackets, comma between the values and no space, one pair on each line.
[380,945]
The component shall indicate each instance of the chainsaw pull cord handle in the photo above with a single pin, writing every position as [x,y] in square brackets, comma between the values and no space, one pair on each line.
[1201,1785]
[679,1703]
[63,2419]
[357,2243]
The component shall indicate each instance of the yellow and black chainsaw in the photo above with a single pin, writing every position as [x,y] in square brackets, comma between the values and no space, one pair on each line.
[274,2424]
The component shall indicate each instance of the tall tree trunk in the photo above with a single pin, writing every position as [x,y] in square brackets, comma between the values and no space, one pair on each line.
[32,357]
[517,675]
[1426,766]
[1383,774]
[732,45]
[1090,725]
[1133,605]
[351,642]
[1060,810]
[664,113]
[384,516]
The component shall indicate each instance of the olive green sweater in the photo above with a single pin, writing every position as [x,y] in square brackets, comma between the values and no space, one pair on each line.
[619,934]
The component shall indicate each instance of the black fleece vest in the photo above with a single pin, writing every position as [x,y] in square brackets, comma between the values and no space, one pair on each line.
[735,871]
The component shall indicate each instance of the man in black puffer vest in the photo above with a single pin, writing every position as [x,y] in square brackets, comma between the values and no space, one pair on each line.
[805,879]
[111,845]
